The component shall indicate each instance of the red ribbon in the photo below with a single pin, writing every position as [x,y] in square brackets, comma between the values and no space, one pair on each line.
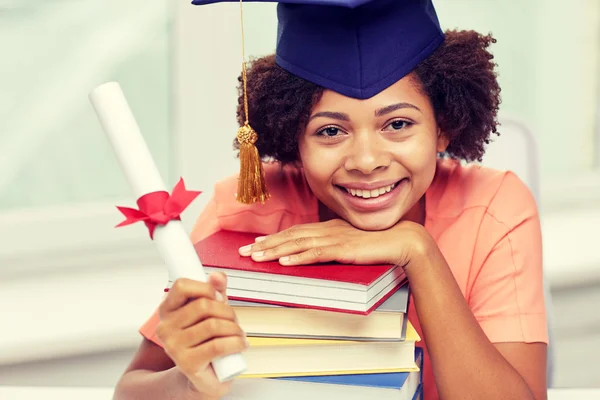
[158,208]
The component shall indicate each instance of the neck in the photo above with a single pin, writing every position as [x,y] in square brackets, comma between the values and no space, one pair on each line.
[416,213]
[325,214]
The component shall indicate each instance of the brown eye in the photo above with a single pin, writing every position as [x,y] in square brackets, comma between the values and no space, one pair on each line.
[330,131]
[397,125]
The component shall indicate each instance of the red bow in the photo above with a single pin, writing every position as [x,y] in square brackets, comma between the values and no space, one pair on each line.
[158,208]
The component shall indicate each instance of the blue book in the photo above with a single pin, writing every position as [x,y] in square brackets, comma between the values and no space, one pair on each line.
[386,386]
[389,380]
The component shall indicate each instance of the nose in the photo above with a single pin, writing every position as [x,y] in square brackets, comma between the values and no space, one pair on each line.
[367,154]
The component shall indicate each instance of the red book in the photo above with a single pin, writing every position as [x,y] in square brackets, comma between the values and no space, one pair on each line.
[332,286]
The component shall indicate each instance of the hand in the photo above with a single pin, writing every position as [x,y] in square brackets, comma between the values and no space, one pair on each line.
[197,325]
[337,240]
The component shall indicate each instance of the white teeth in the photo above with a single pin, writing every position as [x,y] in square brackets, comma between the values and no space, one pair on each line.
[367,194]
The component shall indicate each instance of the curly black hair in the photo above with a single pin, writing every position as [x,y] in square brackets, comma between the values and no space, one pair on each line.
[459,78]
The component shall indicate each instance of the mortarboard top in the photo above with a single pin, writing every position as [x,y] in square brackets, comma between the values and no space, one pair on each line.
[354,47]
[357,48]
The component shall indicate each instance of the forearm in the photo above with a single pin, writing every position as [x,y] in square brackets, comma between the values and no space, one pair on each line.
[466,365]
[170,384]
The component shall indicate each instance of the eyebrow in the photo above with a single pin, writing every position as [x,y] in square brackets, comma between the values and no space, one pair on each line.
[378,113]
[331,114]
[394,107]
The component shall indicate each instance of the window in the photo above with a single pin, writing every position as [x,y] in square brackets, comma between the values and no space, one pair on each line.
[60,179]
[548,60]
[549,71]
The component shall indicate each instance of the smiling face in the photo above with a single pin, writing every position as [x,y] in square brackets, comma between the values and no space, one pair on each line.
[370,161]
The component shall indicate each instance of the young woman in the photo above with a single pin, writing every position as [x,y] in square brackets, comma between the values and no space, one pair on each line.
[375,175]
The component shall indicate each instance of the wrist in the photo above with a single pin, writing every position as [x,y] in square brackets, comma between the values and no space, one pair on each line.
[191,393]
[189,390]
[422,251]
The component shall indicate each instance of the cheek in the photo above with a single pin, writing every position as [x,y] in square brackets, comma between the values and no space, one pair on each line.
[426,167]
[318,165]
[418,156]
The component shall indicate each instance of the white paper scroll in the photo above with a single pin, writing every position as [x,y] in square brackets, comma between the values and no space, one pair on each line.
[139,167]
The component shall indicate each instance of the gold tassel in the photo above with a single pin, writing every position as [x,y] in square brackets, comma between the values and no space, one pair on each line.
[251,183]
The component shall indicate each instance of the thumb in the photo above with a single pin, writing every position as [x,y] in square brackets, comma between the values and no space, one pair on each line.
[219,281]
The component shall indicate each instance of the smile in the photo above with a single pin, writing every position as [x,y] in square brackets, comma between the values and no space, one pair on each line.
[368,194]
[375,199]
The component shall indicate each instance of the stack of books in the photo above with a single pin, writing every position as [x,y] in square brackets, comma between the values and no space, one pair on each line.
[318,331]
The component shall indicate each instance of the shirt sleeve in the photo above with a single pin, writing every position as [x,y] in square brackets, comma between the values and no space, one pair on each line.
[507,295]
[206,224]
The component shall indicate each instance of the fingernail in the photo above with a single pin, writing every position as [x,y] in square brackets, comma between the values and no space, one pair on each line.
[219,296]
[258,254]
[284,260]
[260,238]
[246,249]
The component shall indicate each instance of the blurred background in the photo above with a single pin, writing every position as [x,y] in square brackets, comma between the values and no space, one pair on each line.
[74,291]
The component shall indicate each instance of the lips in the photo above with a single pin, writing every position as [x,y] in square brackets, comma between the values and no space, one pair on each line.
[372,193]
[361,196]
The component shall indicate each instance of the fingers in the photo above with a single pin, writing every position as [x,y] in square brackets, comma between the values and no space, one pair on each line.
[196,328]
[265,242]
[209,329]
[198,310]
[295,247]
[182,291]
[220,347]
[192,317]
[219,281]
[194,360]
[296,238]
[318,254]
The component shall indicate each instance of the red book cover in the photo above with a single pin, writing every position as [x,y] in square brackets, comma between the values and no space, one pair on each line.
[220,250]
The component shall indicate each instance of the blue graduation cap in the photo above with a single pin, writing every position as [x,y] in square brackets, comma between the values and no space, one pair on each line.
[357,48]
[354,47]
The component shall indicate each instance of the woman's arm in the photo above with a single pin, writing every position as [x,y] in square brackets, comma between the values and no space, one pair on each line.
[196,326]
[466,365]
[152,375]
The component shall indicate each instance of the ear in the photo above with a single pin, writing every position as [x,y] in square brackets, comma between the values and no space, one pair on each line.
[442,141]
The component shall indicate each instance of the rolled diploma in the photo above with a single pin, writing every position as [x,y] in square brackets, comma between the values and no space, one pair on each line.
[173,243]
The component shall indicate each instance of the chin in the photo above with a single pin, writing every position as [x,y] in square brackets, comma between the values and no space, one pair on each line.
[374,222]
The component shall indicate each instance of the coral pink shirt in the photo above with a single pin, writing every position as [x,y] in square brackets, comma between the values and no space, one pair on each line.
[485,223]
